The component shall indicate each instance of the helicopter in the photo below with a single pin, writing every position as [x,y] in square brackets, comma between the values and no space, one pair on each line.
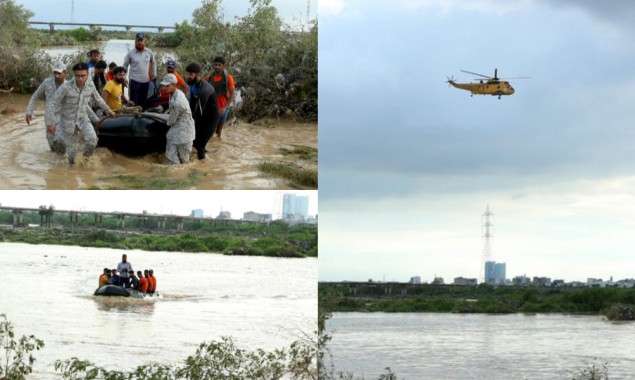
[492,86]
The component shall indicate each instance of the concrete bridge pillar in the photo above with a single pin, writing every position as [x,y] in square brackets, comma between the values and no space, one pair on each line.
[141,221]
[17,218]
[121,221]
[51,28]
[128,28]
[161,30]
[179,224]
[92,27]
[161,223]
[98,220]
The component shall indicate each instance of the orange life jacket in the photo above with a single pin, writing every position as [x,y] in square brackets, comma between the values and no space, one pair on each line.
[143,284]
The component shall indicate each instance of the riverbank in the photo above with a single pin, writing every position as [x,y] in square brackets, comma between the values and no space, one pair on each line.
[296,241]
[476,299]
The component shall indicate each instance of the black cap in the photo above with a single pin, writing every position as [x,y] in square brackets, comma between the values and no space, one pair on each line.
[80,66]
[140,36]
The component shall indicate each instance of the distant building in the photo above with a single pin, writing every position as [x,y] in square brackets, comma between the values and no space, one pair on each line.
[438,281]
[465,281]
[557,283]
[495,272]
[256,217]
[542,282]
[295,207]
[198,213]
[521,281]
[224,215]
[415,280]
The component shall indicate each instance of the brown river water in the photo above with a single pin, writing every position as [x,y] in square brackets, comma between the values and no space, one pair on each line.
[27,163]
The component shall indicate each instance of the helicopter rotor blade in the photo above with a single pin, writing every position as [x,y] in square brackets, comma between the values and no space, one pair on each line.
[480,75]
[516,78]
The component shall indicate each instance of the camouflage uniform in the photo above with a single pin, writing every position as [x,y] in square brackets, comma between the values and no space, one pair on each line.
[45,92]
[181,133]
[73,105]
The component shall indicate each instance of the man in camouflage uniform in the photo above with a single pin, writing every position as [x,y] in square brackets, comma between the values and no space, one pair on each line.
[72,100]
[181,133]
[45,91]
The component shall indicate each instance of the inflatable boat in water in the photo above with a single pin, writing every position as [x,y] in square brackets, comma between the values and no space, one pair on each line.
[134,134]
[118,291]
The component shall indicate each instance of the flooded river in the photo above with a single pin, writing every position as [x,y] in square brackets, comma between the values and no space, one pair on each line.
[27,163]
[479,346]
[47,291]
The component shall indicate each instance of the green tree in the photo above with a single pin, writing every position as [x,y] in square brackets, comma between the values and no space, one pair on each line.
[22,65]
[16,358]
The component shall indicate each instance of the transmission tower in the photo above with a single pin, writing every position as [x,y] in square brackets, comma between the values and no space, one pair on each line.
[72,10]
[308,12]
[486,229]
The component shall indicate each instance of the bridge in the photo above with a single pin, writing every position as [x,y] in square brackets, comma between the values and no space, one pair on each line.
[92,26]
[122,217]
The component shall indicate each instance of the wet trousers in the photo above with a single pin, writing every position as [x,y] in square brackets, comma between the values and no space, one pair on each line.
[178,153]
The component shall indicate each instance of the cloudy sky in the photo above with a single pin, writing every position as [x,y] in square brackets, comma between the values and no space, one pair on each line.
[170,202]
[155,12]
[408,164]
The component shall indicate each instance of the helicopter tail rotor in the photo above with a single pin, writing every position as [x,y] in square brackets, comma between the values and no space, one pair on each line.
[450,80]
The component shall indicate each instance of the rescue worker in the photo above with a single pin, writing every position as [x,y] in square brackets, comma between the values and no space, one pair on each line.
[114,278]
[104,279]
[45,91]
[181,133]
[153,281]
[143,282]
[204,106]
[134,281]
[225,88]
[143,69]
[124,268]
[71,101]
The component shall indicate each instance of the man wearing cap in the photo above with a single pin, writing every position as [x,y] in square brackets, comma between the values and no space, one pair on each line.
[72,101]
[45,91]
[204,105]
[143,69]
[181,133]
[180,84]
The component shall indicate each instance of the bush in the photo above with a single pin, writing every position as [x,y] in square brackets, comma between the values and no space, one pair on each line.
[17,359]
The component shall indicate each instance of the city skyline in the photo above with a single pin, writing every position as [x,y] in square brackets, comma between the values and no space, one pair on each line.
[406,171]
[177,202]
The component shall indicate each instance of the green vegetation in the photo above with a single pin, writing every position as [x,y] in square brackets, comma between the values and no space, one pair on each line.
[592,371]
[480,299]
[16,358]
[162,181]
[302,152]
[276,239]
[212,360]
[300,178]
[22,63]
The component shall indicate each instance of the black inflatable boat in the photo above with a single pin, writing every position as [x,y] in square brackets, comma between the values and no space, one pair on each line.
[134,135]
[112,290]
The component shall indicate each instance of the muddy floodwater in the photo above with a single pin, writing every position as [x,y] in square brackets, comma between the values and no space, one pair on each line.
[26,161]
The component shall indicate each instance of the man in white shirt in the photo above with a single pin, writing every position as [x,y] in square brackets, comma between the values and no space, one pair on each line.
[124,268]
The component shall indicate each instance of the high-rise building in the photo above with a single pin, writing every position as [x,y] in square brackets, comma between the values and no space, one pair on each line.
[198,213]
[295,207]
[495,272]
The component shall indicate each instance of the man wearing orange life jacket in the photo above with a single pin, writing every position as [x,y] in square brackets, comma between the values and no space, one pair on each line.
[225,89]
[104,279]
[153,281]
[143,282]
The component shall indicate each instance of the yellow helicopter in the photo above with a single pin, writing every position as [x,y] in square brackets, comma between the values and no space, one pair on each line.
[492,86]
